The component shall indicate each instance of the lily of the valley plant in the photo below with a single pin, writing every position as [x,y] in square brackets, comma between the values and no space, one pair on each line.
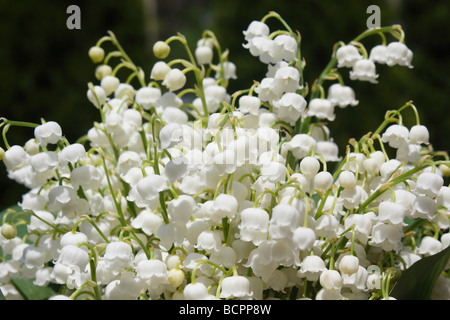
[184,190]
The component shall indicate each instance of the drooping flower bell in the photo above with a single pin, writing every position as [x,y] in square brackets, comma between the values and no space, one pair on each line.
[347,56]
[48,133]
[364,70]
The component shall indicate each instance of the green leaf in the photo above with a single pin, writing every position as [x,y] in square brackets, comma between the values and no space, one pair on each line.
[417,282]
[29,291]
[2,297]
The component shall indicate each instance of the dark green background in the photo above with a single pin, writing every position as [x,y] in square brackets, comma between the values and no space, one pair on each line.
[44,67]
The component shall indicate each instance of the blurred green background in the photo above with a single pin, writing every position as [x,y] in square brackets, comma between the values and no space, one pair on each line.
[44,66]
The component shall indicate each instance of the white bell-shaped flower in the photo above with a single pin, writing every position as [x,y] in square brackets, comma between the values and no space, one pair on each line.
[15,157]
[353,198]
[311,267]
[364,70]
[147,97]
[326,226]
[261,46]
[300,145]
[109,83]
[174,79]
[128,160]
[349,264]
[284,48]
[328,294]
[323,180]
[170,135]
[304,238]
[204,54]
[71,238]
[330,280]
[209,240]
[347,56]
[342,96]
[284,221]
[391,212]
[118,255]
[419,134]
[396,135]
[357,282]
[373,163]
[398,54]
[48,133]
[34,257]
[44,161]
[97,96]
[41,221]
[196,291]
[172,233]
[61,196]
[387,236]
[379,54]
[86,176]
[429,184]
[268,91]
[176,168]
[347,179]
[154,272]
[173,114]
[256,29]
[290,107]
[147,221]
[274,171]
[429,246]
[159,70]
[72,154]
[225,205]
[321,108]
[235,287]
[424,208]
[124,90]
[229,70]
[309,166]
[254,225]
[226,256]
[150,186]
[249,104]
[182,208]
[362,224]
[286,79]
[329,150]
[72,261]
[443,197]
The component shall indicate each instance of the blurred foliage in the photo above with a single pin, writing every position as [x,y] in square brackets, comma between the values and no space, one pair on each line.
[44,67]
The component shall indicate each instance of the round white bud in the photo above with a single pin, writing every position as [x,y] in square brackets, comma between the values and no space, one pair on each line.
[96,54]
[347,180]
[9,231]
[349,264]
[161,49]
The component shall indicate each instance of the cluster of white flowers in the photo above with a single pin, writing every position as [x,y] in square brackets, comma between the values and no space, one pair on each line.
[226,196]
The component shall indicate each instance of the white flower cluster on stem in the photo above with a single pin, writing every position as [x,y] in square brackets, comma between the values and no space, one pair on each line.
[186,191]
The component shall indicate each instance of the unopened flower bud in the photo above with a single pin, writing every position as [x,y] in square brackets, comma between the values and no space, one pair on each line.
[445,170]
[349,264]
[103,71]
[9,231]
[2,153]
[161,49]
[176,277]
[174,80]
[96,54]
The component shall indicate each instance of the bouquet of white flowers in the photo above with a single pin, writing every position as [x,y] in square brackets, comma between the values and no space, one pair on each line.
[184,190]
